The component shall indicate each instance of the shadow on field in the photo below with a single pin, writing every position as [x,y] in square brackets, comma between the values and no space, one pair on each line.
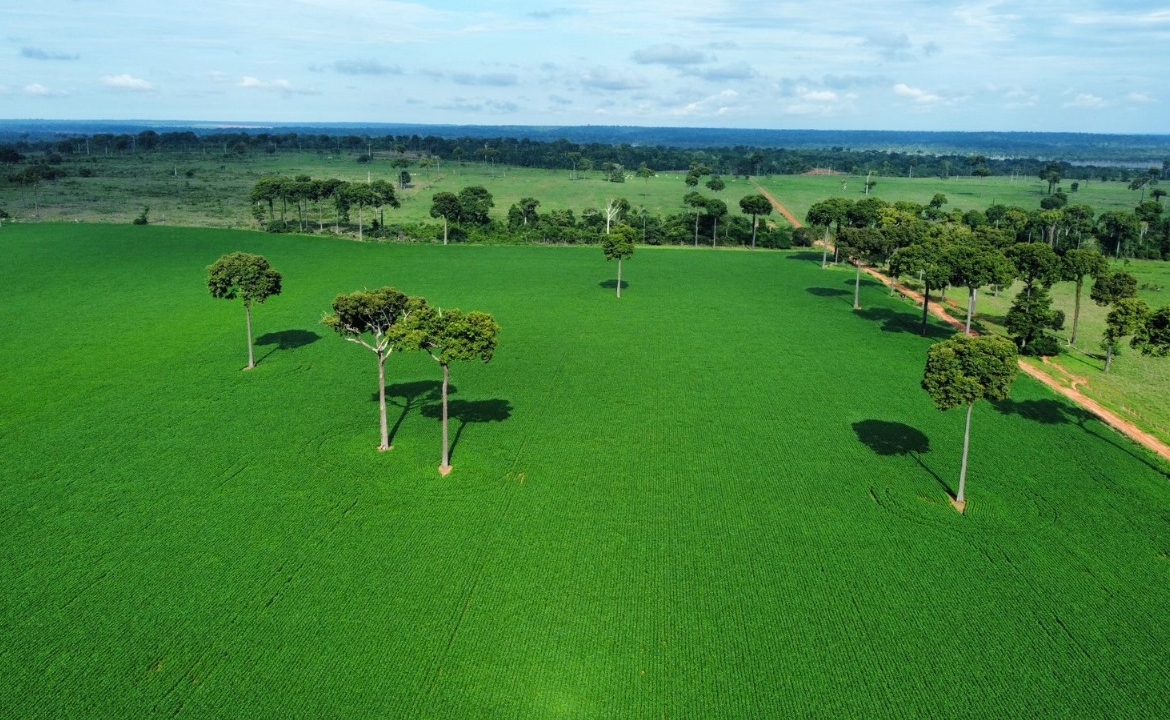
[287,340]
[892,438]
[806,256]
[1056,412]
[469,411]
[612,284]
[899,322]
[830,292]
[412,395]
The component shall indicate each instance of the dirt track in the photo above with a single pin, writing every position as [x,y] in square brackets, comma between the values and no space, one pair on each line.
[1131,431]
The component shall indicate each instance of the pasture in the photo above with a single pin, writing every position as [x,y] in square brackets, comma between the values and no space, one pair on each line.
[722,496]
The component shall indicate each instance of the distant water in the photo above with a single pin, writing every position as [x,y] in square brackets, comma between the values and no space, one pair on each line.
[1075,147]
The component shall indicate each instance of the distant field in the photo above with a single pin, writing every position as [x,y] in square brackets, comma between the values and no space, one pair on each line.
[722,496]
[216,194]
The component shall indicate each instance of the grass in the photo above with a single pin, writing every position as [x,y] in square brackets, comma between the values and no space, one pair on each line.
[722,496]
[216,194]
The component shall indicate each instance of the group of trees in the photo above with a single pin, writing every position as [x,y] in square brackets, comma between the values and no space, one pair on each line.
[974,250]
[303,192]
[382,321]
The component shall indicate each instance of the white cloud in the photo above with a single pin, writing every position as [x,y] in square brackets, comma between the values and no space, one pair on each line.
[1086,101]
[916,94]
[605,79]
[38,90]
[720,104]
[1138,98]
[821,96]
[257,84]
[127,82]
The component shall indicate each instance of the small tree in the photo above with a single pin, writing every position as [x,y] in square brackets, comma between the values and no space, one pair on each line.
[1153,337]
[861,245]
[619,245]
[963,370]
[928,260]
[973,266]
[367,318]
[450,336]
[248,277]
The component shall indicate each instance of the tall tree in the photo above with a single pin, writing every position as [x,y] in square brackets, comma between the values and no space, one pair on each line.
[964,370]
[755,205]
[975,266]
[1128,316]
[248,277]
[450,336]
[715,209]
[367,318]
[619,245]
[699,204]
[928,260]
[445,205]
[825,214]
[383,195]
[1075,266]
[861,245]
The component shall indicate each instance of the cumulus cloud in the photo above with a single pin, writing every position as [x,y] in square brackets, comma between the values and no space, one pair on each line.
[38,90]
[606,79]
[1086,101]
[916,94]
[127,82]
[672,55]
[282,86]
[488,79]
[33,53]
[720,104]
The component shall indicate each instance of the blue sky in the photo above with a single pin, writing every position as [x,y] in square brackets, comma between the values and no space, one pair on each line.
[1072,65]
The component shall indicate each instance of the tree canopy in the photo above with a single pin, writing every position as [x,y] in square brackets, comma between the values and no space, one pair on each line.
[248,277]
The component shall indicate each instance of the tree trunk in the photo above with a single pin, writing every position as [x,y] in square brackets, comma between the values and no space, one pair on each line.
[1108,356]
[619,285]
[383,426]
[251,355]
[970,308]
[925,308]
[714,231]
[961,497]
[446,466]
[359,223]
[857,286]
[444,229]
[1076,311]
[755,224]
[825,254]
[696,229]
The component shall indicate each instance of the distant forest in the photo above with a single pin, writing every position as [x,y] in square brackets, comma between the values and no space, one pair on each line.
[725,151]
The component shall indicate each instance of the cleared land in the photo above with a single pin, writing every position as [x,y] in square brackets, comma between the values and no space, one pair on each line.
[722,496]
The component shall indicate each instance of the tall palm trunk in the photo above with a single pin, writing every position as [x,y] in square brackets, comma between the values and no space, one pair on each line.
[970,308]
[857,286]
[382,424]
[251,355]
[961,496]
[619,285]
[445,468]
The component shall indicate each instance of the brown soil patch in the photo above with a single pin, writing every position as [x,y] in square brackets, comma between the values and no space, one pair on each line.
[780,208]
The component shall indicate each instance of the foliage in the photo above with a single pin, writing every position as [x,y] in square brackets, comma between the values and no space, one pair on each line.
[246,276]
[141,217]
[964,370]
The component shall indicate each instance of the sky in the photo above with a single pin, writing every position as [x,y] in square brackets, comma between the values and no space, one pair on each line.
[981,65]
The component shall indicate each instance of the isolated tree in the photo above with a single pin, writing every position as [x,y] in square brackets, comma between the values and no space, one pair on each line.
[367,318]
[715,184]
[445,205]
[1075,266]
[619,245]
[973,267]
[964,370]
[1052,174]
[755,205]
[1128,316]
[645,172]
[248,277]
[450,336]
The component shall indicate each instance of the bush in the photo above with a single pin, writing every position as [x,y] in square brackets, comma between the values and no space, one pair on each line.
[804,237]
[1043,346]
[141,219]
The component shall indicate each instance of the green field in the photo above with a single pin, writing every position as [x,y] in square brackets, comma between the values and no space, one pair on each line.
[217,192]
[722,496]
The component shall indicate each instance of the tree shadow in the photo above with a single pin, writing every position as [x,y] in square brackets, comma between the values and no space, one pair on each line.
[1055,412]
[417,394]
[612,284]
[467,412]
[899,322]
[892,438]
[828,292]
[806,256]
[287,340]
